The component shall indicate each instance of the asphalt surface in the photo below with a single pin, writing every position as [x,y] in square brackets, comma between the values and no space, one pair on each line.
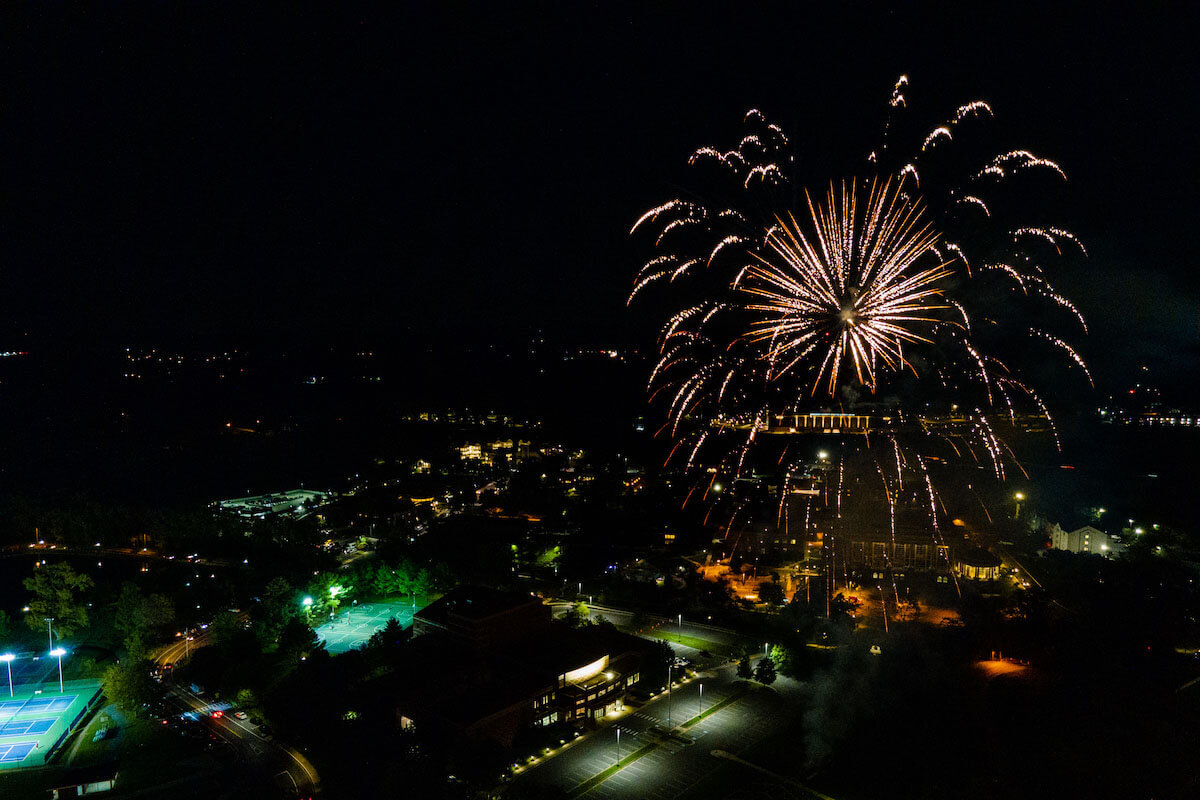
[291,770]
[679,762]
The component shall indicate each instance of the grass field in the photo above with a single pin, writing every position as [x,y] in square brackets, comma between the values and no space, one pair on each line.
[716,648]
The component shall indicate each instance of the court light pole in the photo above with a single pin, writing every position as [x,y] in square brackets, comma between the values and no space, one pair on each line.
[58,652]
[7,658]
[50,630]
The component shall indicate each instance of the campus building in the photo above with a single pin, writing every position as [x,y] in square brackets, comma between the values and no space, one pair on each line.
[504,667]
[977,564]
[1085,540]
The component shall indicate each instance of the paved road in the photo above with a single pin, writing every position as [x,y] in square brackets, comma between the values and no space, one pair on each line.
[289,766]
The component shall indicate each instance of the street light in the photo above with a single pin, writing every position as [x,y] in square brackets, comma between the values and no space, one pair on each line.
[1019,496]
[681,628]
[58,653]
[7,658]
[701,699]
[618,746]
[669,665]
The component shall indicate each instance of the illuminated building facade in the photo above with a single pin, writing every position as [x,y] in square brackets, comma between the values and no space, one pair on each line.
[512,669]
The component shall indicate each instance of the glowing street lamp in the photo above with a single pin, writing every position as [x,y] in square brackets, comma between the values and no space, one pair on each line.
[58,653]
[618,745]
[1019,496]
[7,658]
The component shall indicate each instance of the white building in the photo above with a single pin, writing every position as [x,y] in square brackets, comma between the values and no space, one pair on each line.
[1085,540]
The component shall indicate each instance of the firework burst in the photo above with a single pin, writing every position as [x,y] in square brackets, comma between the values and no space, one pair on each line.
[849,288]
[924,287]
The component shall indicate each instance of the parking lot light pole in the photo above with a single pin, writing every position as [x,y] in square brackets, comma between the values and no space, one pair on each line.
[669,695]
[701,699]
[7,658]
[618,746]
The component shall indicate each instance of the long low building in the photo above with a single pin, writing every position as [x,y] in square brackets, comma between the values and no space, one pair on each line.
[294,502]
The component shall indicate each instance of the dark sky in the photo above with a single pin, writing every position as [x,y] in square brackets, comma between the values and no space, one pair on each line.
[455,171]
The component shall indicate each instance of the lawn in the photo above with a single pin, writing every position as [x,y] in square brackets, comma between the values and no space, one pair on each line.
[716,648]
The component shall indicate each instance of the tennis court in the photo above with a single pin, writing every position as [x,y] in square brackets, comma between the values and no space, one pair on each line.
[25,727]
[38,719]
[353,626]
[14,753]
[57,702]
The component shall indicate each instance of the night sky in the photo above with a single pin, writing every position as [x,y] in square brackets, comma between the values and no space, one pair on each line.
[443,171]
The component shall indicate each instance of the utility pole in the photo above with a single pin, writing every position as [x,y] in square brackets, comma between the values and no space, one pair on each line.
[50,630]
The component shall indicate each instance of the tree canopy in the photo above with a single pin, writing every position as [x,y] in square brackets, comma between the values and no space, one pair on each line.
[56,589]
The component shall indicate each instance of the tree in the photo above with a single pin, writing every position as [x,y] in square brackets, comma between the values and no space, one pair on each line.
[129,685]
[297,639]
[137,615]
[577,615]
[764,673]
[279,604]
[782,658]
[743,669]
[841,610]
[55,590]
[226,626]
[422,582]
[771,593]
[390,635]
